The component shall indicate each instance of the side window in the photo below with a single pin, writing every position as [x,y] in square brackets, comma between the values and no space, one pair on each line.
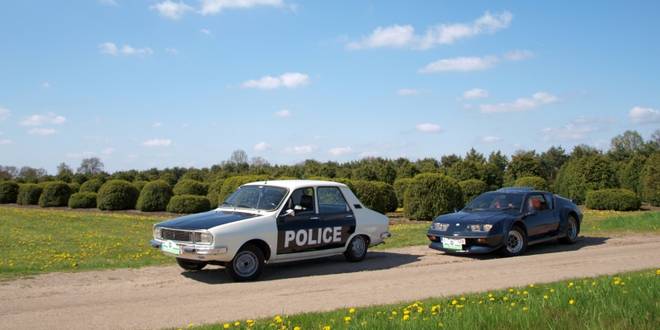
[536,203]
[331,200]
[302,201]
[549,199]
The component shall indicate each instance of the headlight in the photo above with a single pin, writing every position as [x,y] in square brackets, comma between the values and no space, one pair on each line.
[440,226]
[203,238]
[480,227]
[157,234]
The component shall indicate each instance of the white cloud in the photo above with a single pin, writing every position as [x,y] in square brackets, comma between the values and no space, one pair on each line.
[286,80]
[521,104]
[206,31]
[5,141]
[428,128]
[340,151]
[157,124]
[301,150]
[261,146]
[475,93]
[491,139]
[172,10]
[42,131]
[284,113]
[46,119]
[407,92]
[210,7]
[460,64]
[4,113]
[576,130]
[157,143]
[403,36]
[642,115]
[519,55]
[108,151]
[110,48]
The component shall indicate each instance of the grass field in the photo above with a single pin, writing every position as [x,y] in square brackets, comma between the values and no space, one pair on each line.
[627,301]
[34,240]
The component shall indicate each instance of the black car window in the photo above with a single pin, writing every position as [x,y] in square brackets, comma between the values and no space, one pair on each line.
[302,201]
[331,200]
[549,200]
[495,201]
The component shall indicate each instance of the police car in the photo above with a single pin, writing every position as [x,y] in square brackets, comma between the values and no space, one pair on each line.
[271,222]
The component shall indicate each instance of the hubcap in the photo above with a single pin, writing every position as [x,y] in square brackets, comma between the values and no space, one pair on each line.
[358,246]
[246,264]
[514,242]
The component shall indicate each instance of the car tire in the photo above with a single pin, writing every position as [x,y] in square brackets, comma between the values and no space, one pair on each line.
[190,264]
[515,242]
[571,232]
[247,265]
[357,249]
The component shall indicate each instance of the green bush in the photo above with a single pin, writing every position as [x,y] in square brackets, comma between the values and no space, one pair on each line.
[28,194]
[190,187]
[188,204]
[650,180]
[231,184]
[83,200]
[214,192]
[613,199]
[117,195]
[579,175]
[139,184]
[630,174]
[430,195]
[154,196]
[400,186]
[534,182]
[376,195]
[8,192]
[472,188]
[74,187]
[55,194]
[91,185]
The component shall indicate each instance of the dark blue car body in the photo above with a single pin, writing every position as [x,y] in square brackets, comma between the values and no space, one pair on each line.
[551,222]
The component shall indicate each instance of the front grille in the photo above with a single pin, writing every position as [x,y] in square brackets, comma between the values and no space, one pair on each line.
[177,235]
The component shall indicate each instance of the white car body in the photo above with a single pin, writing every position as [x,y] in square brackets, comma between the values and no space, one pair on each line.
[321,234]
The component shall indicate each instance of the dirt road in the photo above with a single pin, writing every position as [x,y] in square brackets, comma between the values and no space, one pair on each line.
[157,297]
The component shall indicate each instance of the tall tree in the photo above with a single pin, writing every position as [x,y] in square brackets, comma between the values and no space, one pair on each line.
[238,157]
[90,166]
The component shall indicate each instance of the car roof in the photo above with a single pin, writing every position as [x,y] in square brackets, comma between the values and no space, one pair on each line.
[520,190]
[295,184]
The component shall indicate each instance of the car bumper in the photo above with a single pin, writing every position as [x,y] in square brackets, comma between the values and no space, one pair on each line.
[195,252]
[474,244]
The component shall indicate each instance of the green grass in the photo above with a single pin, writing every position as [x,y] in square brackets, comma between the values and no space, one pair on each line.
[627,301]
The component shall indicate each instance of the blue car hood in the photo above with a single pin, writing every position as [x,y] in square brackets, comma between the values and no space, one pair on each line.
[205,220]
[476,217]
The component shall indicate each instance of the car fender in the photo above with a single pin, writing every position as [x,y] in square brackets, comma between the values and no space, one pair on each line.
[234,235]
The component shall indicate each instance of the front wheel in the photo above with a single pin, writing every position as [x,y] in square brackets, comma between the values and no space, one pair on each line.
[247,264]
[357,249]
[515,242]
[572,230]
[190,264]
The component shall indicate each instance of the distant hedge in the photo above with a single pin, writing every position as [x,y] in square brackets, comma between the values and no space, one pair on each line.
[400,187]
[54,194]
[74,187]
[430,195]
[28,194]
[214,192]
[83,200]
[376,195]
[139,184]
[231,184]
[535,182]
[188,204]
[8,192]
[650,180]
[117,195]
[91,185]
[472,188]
[613,199]
[583,174]
[154,196]
[190,187]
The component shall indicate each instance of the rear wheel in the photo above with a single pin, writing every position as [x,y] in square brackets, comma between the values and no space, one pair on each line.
[515,242]
[190,264]
[247,264]
[357,249]
[571,232]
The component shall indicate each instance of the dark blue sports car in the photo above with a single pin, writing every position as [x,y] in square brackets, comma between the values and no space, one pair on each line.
[506,220]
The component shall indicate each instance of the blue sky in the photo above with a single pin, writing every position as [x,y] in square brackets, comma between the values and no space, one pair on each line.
[158,83]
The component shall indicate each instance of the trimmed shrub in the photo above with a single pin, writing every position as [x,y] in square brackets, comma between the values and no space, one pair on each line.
[583,174]
[91,185]
[231,184]
[214,192]
[83,200]
[472,188]
[8,192]
[188,204]
[376,195]
[190,187]
[400,186]
[139,184]
[74,187]
[117,195]
[430,195]
[28,194]
[55,194]
[534,182]
[650,180]
[154,196]
[613,199]
[630,174]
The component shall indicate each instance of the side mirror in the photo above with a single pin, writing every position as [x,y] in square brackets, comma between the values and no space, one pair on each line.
[298,208]
[289,213]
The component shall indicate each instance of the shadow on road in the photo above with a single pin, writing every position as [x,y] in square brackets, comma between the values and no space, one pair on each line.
[376,260]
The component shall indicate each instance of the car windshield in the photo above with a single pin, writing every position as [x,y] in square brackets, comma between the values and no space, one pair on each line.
[256,197]
[495,201]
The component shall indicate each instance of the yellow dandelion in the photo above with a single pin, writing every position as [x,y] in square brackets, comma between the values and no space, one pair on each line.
[531,285]
[394,312]
[237,324]
[406,317]
[571,302]
[525,309]
[351,311]
[226,325]
[545,296]
[552,290]
[297,328]
[657,272]
[462,298]
[347,319]
[460,306]
[571,284]
[491,299]
[513,304]
[454,302]
[327,327]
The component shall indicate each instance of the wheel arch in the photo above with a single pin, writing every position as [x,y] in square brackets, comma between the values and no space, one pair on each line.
[261,244]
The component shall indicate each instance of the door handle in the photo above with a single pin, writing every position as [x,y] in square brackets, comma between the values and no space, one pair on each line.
[314,218]
[349,216]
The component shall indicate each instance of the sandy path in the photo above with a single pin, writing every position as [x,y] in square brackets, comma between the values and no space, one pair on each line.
[156,297]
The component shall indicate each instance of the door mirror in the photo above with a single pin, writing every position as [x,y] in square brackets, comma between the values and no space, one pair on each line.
[298,208]
[289,213]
